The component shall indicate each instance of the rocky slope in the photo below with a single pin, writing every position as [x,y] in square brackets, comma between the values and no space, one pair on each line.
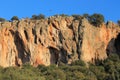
[54,40]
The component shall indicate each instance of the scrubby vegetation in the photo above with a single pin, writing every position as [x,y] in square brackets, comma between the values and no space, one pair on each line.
[77,17]
[118,22]
[2,20]
[37,17]
[106,70]
[14,18]
[95,19]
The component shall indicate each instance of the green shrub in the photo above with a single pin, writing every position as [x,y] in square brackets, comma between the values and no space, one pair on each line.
[73,72]
[34,17]
[96,19]
[38,17]
[99,72]
[114,57]
[41,16]
[15,73]
[77,17]
[118,22]
[87,16]
[2,20]
[14,18]
[63,15]
[52,72]
[78,62]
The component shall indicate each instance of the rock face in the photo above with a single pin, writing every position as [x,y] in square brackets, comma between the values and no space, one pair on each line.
[54,40]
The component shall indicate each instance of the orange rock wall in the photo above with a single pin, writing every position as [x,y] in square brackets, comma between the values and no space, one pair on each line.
[52,40]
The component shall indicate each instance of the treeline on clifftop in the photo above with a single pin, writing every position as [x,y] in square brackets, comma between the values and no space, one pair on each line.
[108,69]
[95,19]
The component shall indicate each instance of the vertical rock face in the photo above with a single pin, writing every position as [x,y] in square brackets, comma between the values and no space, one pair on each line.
[54,40]
[96,41]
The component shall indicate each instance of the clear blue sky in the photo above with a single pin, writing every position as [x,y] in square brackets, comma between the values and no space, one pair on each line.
[26,8]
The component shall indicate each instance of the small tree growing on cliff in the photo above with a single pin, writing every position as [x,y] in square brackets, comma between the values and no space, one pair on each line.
[41,16]
[2,20]
[118,22]
[77,17]
[87,16]
[14,18]
[96,19]
[34,17]
[63,15]
[37,17]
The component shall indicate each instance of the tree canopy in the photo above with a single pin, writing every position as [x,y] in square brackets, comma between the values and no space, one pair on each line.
[2,19]
[37,17]
[96,19]
[14,18]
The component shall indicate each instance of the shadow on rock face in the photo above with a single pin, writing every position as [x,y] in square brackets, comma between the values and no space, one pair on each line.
[117,44]
[113,46]
[54,55]
[22,53]
[58,56]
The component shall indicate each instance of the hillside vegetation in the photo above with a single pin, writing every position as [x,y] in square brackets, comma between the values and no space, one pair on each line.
[105,70]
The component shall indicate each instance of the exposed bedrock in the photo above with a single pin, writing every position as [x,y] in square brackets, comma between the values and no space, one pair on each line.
[55,40]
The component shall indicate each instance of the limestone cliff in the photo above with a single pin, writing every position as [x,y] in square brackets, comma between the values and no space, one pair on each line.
[56,39]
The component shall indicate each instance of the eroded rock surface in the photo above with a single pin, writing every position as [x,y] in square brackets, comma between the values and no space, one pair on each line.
[54,40]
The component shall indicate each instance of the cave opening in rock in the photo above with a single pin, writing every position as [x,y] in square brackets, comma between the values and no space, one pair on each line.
[54,55]
[114,46]
[117,44]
